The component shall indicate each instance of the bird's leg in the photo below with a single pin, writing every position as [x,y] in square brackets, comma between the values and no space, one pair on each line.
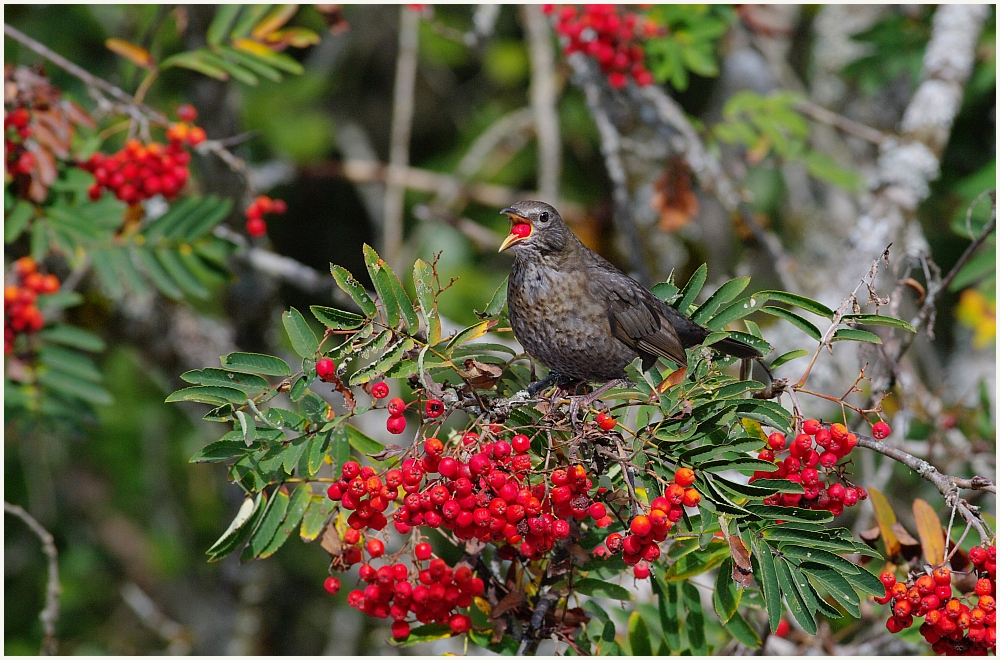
[585,400]
[540,385]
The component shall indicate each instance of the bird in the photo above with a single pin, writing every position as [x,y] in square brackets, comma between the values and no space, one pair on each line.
[579,315]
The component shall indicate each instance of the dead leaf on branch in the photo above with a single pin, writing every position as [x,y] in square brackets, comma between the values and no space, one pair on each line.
[674,199]
[390,451]
[479,375]
[742,569]
[930,531]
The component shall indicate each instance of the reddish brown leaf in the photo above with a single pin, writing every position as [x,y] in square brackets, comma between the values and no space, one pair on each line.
[331,541]
[511,601]
[675,378]
[481,376]
[930,532]
[742,569]
[389,452]
[674,200]
[333,16]
[904,536]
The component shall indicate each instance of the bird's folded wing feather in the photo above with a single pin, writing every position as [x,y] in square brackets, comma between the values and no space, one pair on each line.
[635,319]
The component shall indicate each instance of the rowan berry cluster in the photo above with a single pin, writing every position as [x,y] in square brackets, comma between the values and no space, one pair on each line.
[609,35]
[15,132]
[261,206]
[433,595]
[21,315]
[646,531]
[138,172]
[950,626]
[811,461]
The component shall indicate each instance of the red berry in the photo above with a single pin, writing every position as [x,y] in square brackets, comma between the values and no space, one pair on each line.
[326,369]
[459,623]
[888,579]
[256,227]
[433,447]
[422,551]
[641,570]
[641,526]
[331,584]
[187,113]
[520,443]
[606,422]
[375,548]
[395,425]
[196,135]
[984,587]
[380,390]
[279,206]
[881,430]
[597,510]
[617,80]
[691,497]
[684,477]
[400,630]
[396,407]
[776,441]
[783,628]
[433,408]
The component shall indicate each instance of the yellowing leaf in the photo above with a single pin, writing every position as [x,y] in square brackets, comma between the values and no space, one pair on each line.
[483,605]
[253,47]
[886,518]
[274,20]
[131,52]
[930,532]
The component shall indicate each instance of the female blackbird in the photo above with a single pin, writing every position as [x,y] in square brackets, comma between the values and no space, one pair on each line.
[580,316]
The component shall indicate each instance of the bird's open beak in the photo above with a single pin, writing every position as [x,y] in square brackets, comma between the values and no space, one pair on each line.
[520,229]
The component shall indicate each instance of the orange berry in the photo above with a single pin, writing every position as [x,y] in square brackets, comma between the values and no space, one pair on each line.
[684,477]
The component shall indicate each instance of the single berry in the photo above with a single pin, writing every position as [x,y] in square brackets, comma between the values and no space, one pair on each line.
[641,526]
[400,630]
[881,430]
[810,426]
[395,425]
[331,584]
[521,443]
[776,441]
[422,551]
[641,570]
[684,477]
[375,548]
[396,407]
[187,113]
[606,422]
[256,227]
[326,369]
[433,408]
[380,390]
[783,628]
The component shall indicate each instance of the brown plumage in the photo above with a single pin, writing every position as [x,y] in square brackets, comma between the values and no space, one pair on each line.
[580,316]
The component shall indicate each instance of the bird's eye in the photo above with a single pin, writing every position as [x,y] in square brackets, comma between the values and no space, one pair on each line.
[543,216]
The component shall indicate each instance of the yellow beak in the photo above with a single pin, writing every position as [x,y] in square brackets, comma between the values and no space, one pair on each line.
[513,238]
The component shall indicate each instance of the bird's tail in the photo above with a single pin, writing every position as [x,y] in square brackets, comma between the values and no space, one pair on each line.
[736,348]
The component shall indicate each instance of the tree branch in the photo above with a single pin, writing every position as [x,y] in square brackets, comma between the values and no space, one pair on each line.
[49,615]
[402,124]
[947,485]
[543,94]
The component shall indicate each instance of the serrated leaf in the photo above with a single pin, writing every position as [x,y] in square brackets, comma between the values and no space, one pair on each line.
[301,336]
[317,452]
[664,291]
[269,57]
[496,303]
[296,509]
[836,585]
[742,464]
[638,635]
[886,518]
[74,387]
[180,274]
[930,532]
[239,529]
[383,364]
[696,563]
[159,277]
[223,450]
[726,597]
[423,282]
[247,383]
[256,363]
[362,443]
[16,221]
[852,334]
[767,578]
[788,357]
[796,603]
[247,427]
[669,597]
[692,289]
[212,394]
[821,556]
[601,589]
[796,320]
[472,332]
[220,26]
[878,319]
[742,631]
[722,295]
[802,302]
[195,60]
[69,335]
[269,524]
[737,310]
[70,363]
[251,62]
[237,72]
[789,513]
[866,581]
[319,509]
[336,319]
[694,622]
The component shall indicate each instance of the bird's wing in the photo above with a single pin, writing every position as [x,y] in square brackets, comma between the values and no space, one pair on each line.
[636,320]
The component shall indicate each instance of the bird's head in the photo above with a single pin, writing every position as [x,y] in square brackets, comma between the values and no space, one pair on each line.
[534,226]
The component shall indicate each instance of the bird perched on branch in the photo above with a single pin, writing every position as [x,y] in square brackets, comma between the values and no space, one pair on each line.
[580,316]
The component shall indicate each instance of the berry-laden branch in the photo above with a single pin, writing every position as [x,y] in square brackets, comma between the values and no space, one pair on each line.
[50,615]
[947,485]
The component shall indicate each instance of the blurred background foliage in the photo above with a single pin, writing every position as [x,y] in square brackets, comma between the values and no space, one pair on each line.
[132,517]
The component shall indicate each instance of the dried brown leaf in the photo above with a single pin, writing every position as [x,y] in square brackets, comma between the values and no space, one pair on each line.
[904,536]
[390,451]
[742,569]
[511,601]
[674,199]
[480,375]
[130,51]
[930,532]
[886,518]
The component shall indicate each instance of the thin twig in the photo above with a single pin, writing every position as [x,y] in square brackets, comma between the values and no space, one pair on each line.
[543,94]
[821,114]
[50,615]
[402,124]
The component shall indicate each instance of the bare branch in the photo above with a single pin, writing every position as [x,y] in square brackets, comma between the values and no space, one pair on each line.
[857,129]
[544,95]
[402,124]
[49,615]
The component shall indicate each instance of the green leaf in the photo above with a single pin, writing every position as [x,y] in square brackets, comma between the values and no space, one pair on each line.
[362,443]
[74,387]
[195,60]
[253,16]
[212,394]
[256,363]
[296,509]
[743,464]
[722,295]
[158,229]
[154,270]
[252,62]
[239,73]
[697,563]
[726,597]
[692,289]
[789,513]
[496,303]
[836,584]
[788,357]
[315,517]
[247,427]
[734,312]
[767,577]
[793,596]
[187,281]
[979,266]
[665,291]
[865,581]
[210,212]
[638,635]
[601,589]
[246,383]
[472,332]
[271,58]
[743,631]
[293,453]
[801,302]
[239,530]
[16,221]
[223,450]
[810,539]
[349,285]
[336,319]
[261,537]
[796,320]
[423,282]
[304,341]
[317,452]
[69,362]
[766,412]
[878,319]
[851,334]
[694,623]
[69,335]
[222,23]
[382,365]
